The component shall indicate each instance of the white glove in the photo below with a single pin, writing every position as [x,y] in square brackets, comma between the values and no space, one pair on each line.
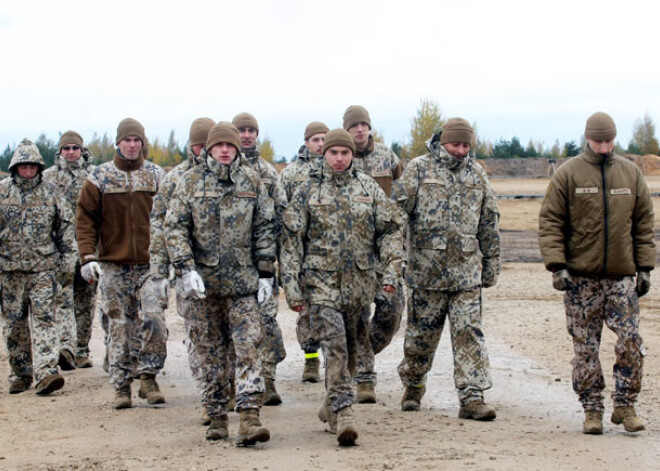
[171,275]
[91,272]
[193,285]
[265,290]
[160,286]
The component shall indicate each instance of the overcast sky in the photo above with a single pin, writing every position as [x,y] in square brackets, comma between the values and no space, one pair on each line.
[530,69]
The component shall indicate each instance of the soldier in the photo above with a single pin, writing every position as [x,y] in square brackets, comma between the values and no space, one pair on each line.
[454,252]
[595,234]
[383,165]
[296,173]
[272,349]
[36,247]
[77,296]
[113,244]
[221,238]
[339,223]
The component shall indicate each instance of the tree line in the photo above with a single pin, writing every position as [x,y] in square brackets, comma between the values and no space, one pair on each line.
[427,120]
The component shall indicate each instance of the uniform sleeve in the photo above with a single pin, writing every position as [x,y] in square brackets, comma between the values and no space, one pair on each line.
[397,167]
[642,230]
[264,234]
[158,255]
[389,236]
[489,233]
[88,217]
[178,227]
[404,190]
[294,228]
[552,222]
[64,235]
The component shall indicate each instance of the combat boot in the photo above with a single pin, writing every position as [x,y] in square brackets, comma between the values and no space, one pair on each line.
[271,397]
[412,397]
[366,393]
[206,420]
[49,384]
[218,428]
[250,430]
[83,362]
[311,372]
[627,416]
[346,431]
[123,398]
[66,361]
[593,422]
[328,416]
[149,389]
[20,384]
[476,410]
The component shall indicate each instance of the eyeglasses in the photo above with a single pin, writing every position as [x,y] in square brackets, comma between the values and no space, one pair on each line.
[71,148]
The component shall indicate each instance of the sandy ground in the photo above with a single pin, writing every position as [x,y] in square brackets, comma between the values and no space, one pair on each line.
[538,424]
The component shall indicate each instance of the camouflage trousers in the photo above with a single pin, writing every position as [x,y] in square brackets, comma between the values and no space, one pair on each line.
[376,332]
[589,303]
[135,318]
[272,345]
[215,323]
[427,312]
[338,334]
[304,334]
[29,323]
[75,313]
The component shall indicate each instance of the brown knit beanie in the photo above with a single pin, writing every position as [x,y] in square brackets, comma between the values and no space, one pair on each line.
[130,127]
[245,120]
[356,114]
[600,127]
[224,132]
[71,137]
[338,137]
[199,131]
[315,127]
[457,130]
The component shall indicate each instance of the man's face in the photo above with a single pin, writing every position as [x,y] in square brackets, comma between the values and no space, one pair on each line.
[459,150]
[315,143]
[339,157]
[223,153]
[27,171]
[197,149]
[360,133]
[130,147]
[248,137]
[71,152]
[601,147]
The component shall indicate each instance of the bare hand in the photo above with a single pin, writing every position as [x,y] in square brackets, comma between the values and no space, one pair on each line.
[298,308]
[389,288]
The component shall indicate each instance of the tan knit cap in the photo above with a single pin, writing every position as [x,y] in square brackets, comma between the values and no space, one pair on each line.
[224,132]
[130,127]
[338,137]
[199,131]
[245,120]
[457,130]
[356,114]
[71,137]
[600,127]
[315,127]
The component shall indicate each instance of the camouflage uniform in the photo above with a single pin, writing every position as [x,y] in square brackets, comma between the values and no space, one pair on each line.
[335,229]
[77,301]
[36,242]
[272,347]
[294,175]
[113,219]
[220,224]
[376,332]
[454,249]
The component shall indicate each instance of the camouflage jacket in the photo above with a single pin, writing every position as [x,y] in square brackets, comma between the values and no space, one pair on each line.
[69,177]
[36,227]
[159,259]
[113,211]
[380,163]
[297,172]
[221,216]
[335,229]
[452,220]
[597,218]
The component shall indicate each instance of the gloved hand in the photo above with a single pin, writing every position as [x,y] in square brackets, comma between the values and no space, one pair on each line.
[91,272]
[193,285]
[265,290]
[490,267]
[561,280]
[171,274]
[643,283]
[66,279]
[160,286]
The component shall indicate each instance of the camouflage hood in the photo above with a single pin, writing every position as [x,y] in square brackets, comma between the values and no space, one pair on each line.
[194,160]
[26,153]
[438,150]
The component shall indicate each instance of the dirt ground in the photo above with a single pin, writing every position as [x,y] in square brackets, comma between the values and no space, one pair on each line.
[538,424]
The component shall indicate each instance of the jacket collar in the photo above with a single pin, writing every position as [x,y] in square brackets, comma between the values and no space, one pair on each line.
[122,163]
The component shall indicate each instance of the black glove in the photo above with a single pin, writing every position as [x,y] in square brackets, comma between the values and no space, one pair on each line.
[643,283]
[561,280]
